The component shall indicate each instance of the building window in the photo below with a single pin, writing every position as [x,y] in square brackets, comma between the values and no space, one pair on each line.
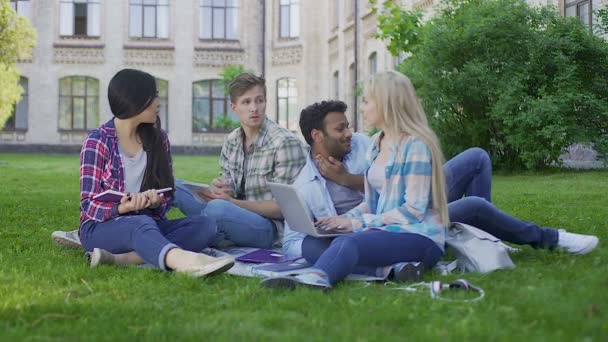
[219,19]
[210,107]
[336,85]
[373,63]
[581,9]
[289,19]
[21,7]
[287,103]
[163,95]
[149,19]
[78,103]
[397,60]
[18,119]
[79,18]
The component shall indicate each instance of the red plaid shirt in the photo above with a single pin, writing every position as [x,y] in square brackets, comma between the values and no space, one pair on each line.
[101,169]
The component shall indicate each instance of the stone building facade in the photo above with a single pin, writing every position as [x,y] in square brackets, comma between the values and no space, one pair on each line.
[308,50]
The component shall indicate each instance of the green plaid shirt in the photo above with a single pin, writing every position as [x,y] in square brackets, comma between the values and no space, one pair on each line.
[277,156]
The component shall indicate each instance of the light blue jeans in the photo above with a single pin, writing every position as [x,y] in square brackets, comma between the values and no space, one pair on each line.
[240,226]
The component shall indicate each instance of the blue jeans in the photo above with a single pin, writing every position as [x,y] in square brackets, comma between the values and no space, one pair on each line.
[373,248]
[469,174]
[484,215]
[150,239]
[238,225]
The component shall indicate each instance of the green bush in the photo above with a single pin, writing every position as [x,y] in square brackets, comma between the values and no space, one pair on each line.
[522,82]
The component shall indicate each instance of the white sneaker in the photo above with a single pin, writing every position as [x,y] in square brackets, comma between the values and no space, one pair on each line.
[67,239]
[576,243]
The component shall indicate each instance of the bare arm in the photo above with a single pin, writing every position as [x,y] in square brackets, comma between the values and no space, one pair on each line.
[335,171]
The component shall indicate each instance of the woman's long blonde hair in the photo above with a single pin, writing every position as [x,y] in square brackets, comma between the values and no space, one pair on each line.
[397,103]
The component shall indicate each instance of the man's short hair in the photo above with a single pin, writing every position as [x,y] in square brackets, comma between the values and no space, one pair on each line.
[242,83]
[313,116]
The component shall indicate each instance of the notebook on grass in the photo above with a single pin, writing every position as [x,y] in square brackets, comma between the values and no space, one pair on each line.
[116,196]
[264,256]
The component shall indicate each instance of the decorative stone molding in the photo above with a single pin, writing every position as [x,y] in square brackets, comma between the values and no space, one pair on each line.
[422,4]
[210,57]
[63,54]
[144,56]
[213,139]
[12,136]
[72,137]
[287,55]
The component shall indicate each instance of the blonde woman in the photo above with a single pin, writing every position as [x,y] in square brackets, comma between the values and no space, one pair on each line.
[404,214]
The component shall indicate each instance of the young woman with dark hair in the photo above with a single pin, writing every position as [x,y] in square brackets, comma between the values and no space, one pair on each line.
[131,154]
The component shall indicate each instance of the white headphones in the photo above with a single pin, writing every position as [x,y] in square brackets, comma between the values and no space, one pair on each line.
[436,287]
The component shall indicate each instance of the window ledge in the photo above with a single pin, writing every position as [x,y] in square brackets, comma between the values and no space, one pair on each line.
[14,130]
[149,47]
[79,45]
[80,131]
[218,48]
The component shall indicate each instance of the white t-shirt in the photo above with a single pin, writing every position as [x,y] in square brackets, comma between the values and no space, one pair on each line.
[134,168]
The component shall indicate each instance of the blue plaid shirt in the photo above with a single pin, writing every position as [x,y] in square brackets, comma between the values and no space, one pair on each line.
[405,205]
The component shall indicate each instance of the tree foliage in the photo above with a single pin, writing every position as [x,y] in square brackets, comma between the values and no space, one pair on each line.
[17,38]
[522,82]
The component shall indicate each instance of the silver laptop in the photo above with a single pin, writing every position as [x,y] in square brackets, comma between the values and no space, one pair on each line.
[295,211]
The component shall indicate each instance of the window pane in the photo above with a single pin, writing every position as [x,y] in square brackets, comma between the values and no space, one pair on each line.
[232,3]
[162,87]
[284,21]
[135,21]
[200,114]
[282,112]
[21,113]
[218,108]
[149,2]
[78,86]
[78,113]
[92,112]
[65,112]
[294,18]
[292,107]
[136,2]
[219,3]
[232,23]
[164,118]
[149,21]
[92,86]
[206,23]
[282,90]
[232,115]
[80,19]
[200,89]
[205,2]
[583,12]
[65,86]
[218,90]
[218,23]
[163,22]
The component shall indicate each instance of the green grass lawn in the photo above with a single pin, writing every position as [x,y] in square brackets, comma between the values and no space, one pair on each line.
[49,293]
